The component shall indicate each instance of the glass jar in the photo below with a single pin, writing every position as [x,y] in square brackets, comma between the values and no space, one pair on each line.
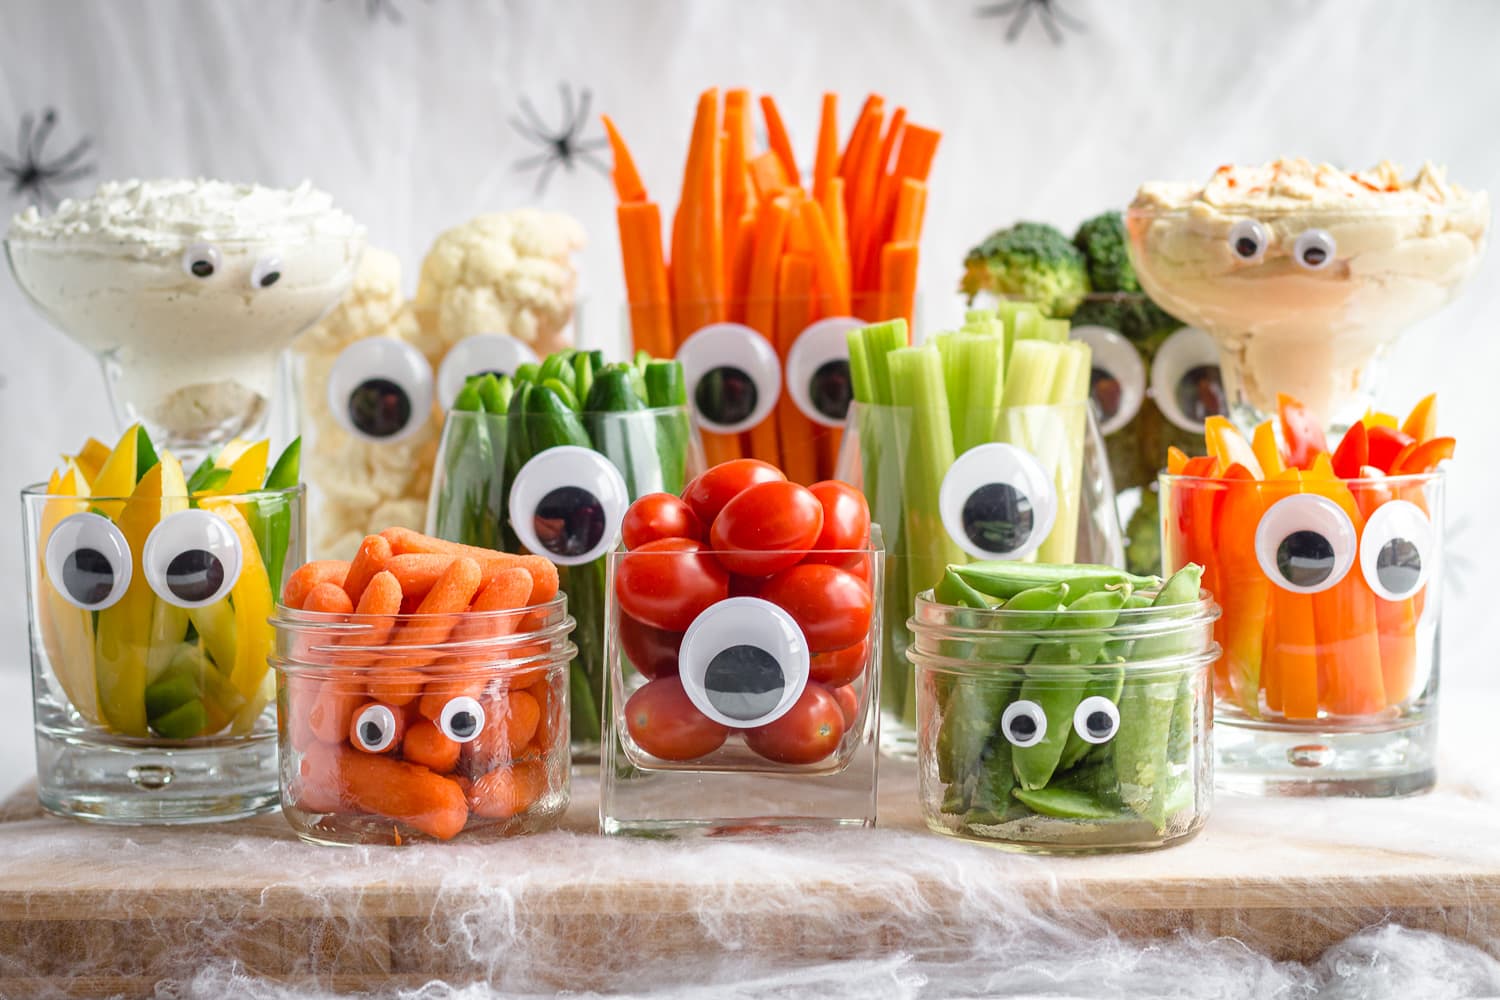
[760,713]
[507,482]
[1036,485]
[423,727]
[149,639]
[997,697]
[1332,596]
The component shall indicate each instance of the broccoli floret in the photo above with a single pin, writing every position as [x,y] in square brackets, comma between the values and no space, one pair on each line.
[1102,240]
[1030,260]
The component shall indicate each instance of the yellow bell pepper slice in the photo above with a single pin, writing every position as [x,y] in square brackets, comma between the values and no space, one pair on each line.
[67,632]
[247,470]
[216,633]
[91,458]
[116,477]
[251,598]
[1229,446]
[1375,419]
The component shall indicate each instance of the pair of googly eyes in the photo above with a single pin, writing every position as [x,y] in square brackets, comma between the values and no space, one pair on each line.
[734,374]
[191,559]
[381,389]
[1024,723]
[376,728]
[1313,250]
[203,261]
[1185,381]
[997,502]
[1307,544]
[744,662]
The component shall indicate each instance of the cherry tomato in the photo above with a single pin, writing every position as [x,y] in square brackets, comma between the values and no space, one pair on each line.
[806,734]
[652,651]
[846,518]
[745,586]
[665,723]
[840,666]
[708,494]
[833,606]
[669,582]
[659,515]
[766,528]
[848,700]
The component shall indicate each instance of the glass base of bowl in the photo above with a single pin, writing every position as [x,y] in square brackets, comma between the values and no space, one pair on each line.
[1125,839]
[1260,759]
[82,777]
[584,752]
[898,738]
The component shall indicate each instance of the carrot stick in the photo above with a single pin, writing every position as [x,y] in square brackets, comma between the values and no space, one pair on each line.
[645,277]
[328,598]
[736,155]
[510,720]
[698,265]
[407,793]
[826,163]
[508,791]
[744,257]
[627,179]
[781,143]
[833,293]
[309,575]
[880,201]
[371,558]
[858,136]
[837,215]
[861,190]
[353,730]
[911,205]
[429,746]
[770,237]
[918,147]
[794,308]
[768,176]
[898,281]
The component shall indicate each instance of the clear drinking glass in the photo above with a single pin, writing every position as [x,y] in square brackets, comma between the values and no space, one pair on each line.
[149,645]
[408,728]
[1036,486]
[1135,770]
[1332,596]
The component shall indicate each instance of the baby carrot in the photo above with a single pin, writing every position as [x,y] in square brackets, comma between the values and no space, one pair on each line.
[395,685]
[508,590]
[328,598]
[508,791]
[298,695]
[379,604]
[429,746]
[404,541]
[371,558]
[439,692]
[449,597]
[332,707]
[627,179]
[417,572]
[316,786]
[407,793]
[309,575]
[510,721]
[546,724]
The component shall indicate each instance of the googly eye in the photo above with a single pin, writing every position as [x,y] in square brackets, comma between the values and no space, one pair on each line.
[997,502]
[744,662]
[1096,719]
[1248,240]
[1396,549]
[477,355]
[201,260]
[375,729]
[266,271]
[1117,384]
[1305,543]
[567,504]
[462,718]
[1186,383]
[733,376]
[817,370]
[1314,249]
[1024,724]
[380,389]
[192,559]
[88,561]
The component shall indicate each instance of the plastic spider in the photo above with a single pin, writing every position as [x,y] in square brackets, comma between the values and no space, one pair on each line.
[565,146]
[30,172]
[1049,12]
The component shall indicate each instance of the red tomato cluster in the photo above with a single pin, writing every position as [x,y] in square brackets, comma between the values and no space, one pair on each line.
[741,529]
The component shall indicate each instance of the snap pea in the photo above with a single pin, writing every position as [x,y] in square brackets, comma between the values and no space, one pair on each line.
[953,590]
[1065,803]
[1006,579]
[583,374]
[494,393]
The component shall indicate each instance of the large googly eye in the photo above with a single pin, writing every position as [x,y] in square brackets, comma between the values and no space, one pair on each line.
[733,377]
[483,353]
[1396,550]
[88,561]
[192,559]
[1314,249]
[567,504]
[201,260]
[462,718]
[1248,240]
[380,389]
[1023,724]
[375,728]
[266,271]
[1305,543]
[744,662]
[1117,384]
[817,370]
[1186,383]
[997,502]
[1096,719]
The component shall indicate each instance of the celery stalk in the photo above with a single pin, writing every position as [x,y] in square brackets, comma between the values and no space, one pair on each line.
[977,384]
[1070,392]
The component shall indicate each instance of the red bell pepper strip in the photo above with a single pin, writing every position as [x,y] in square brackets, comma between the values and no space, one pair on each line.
[1244,591]
[1300,432]
[1385,445]
[1353,452]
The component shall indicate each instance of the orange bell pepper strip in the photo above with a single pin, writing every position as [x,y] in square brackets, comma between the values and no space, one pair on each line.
[1204,493]
[1348,632]
[1423,457]
[1267,451]
[1244,591]
[1177,461]
[1229,446]
[1396,620]
[1421,423]
[1290,660]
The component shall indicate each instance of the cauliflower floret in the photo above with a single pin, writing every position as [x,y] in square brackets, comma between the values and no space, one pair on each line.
[374,302]
[502,272]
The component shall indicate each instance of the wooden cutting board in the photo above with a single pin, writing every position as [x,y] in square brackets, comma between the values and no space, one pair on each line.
[94,910]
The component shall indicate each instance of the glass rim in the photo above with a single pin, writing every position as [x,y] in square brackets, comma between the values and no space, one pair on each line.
[1345,207]
[38,491]
[650,411]
[1131,623]
[1199,659]
[875,548]
[296,618]
[1405,479]
[1082,404]
[177,244]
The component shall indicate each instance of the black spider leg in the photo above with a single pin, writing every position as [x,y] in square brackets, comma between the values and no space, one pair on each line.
[583,149]
[1000,9]
[1065,19]
[1019,21]
[533,128]
[377,8]
[39,136]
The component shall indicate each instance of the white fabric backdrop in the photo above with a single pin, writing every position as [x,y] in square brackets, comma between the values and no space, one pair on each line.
[405,122]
